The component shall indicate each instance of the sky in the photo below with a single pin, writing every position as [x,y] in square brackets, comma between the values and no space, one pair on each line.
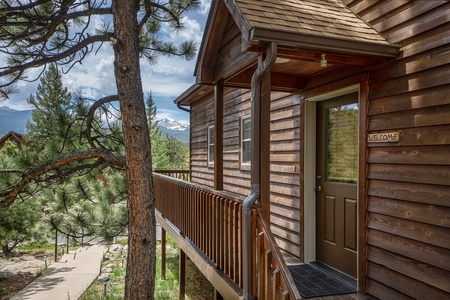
[169,78]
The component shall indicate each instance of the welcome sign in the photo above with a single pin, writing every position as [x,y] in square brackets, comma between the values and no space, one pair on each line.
[387,137]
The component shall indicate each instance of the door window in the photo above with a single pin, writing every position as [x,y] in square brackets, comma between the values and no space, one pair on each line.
[342,132]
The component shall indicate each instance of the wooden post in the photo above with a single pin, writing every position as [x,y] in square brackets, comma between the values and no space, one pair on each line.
[182,274]
[264,157]
[218,135]
[217,295]
[163,253]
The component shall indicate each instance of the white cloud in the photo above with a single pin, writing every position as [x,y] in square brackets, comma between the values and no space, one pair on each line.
[169,78]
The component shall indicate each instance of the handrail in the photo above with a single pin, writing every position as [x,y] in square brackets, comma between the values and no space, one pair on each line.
[181,174]
[279,265]
[212,221]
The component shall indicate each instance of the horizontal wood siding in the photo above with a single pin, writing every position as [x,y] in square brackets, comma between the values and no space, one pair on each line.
[202,116]
[285,157]
[408,217]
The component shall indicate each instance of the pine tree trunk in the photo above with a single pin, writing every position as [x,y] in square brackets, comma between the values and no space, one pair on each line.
[140,276]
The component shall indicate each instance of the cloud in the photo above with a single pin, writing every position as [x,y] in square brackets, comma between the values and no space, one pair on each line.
[169,78]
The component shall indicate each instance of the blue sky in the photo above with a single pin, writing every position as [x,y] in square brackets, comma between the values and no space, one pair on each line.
[170,77]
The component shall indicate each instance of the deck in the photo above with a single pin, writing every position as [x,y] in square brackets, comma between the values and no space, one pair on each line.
[208,225]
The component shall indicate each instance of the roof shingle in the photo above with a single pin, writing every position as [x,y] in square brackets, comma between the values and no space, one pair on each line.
[310,17]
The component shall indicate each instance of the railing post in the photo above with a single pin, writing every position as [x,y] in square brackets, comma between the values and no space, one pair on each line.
[182,274]
[247,242]
[163,253]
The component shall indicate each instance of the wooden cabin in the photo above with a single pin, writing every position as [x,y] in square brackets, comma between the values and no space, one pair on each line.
[320,137]
[12,137]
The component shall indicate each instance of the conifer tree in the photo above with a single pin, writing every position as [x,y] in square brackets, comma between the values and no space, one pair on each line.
[159,157]
[36,33]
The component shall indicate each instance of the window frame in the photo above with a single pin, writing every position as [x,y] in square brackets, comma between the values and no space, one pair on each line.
[242,141]
[210,143]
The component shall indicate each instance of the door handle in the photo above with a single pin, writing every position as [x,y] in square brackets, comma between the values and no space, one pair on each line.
[318,188]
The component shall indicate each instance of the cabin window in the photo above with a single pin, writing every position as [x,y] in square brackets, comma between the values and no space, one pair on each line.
[210,144]
[246,140]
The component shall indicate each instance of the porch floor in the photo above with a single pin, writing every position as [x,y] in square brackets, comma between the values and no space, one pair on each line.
[292,260]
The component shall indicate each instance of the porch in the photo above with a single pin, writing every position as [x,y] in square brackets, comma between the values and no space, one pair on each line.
[208,225]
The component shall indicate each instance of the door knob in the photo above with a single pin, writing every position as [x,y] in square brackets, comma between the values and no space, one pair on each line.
[318,188]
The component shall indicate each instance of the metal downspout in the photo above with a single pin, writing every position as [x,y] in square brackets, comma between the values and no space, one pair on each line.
[247,234]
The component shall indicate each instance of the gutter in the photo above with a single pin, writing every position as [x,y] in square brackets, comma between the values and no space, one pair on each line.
[324,43]
[183,108]
[247,225]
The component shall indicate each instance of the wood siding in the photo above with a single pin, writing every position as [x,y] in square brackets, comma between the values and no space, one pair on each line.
[284,152]
[408,200]
[202,116]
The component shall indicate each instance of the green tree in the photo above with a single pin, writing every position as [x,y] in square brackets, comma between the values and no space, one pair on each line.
[159,157]
[21,221]
[37,33]
[52,111]
[177,154]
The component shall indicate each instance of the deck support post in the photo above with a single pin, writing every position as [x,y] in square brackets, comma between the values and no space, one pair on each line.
[217,295]
[182,274]
[163,253]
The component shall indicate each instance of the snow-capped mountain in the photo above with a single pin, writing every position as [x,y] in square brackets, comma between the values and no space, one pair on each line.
[172,124]
[178,130]
[16,120]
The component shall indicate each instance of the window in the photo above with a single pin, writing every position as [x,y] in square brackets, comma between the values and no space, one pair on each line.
[246,140]
[211,144]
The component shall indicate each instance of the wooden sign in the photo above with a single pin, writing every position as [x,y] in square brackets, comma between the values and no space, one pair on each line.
[387,137]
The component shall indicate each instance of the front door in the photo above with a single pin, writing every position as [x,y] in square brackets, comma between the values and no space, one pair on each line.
[337,172]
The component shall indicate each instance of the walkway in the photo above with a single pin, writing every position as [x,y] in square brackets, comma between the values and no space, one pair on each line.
[68,278]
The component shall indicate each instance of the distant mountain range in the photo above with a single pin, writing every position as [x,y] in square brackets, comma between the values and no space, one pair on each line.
[13,120]
[16,120]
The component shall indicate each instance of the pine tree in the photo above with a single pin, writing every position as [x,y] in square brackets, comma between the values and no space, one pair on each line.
[37,33]
[52,107]
[159,157]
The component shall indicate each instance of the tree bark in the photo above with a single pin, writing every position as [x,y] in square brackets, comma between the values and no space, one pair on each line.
[139,280]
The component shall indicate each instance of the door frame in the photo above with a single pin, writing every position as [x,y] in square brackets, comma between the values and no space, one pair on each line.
[309,164]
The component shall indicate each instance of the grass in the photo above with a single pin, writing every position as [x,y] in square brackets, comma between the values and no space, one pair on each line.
[196,288]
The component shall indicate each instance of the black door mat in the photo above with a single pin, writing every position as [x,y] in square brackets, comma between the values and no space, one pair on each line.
[316,279]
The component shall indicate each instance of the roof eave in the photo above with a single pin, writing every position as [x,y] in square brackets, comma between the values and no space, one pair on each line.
[260,35]
[192,94]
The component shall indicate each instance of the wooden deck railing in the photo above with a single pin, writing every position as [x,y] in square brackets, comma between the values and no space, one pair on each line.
[212,221]
[180,174]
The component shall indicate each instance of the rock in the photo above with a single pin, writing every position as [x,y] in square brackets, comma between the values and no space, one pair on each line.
[107,270]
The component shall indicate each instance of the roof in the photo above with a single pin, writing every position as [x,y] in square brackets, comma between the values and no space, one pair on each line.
[327,18]
[12,137]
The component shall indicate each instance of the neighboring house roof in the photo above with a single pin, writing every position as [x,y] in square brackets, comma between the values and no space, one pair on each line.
[13,137]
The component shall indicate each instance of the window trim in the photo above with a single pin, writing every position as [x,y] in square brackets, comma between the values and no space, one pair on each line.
[209,144]
[246,163]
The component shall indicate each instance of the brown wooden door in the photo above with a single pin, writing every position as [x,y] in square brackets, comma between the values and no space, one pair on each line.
[336,168]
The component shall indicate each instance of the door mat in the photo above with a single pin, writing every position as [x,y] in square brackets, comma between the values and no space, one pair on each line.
[316,279]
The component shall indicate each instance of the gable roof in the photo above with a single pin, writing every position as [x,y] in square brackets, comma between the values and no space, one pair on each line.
[13,137]
[327,18]
[324,26]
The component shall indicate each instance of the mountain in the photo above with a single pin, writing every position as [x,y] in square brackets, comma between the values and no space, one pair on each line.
[176,129]
[13,120]
[16,120]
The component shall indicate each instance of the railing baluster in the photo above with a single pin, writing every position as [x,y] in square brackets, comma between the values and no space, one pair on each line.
[212,220]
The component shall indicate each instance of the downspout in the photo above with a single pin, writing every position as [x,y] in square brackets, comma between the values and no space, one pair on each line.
[247,234]
[183,108]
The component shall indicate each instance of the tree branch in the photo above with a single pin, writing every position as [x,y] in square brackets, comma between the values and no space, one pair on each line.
[28,176]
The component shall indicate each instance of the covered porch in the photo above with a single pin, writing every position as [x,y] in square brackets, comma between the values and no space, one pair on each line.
[208,227]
